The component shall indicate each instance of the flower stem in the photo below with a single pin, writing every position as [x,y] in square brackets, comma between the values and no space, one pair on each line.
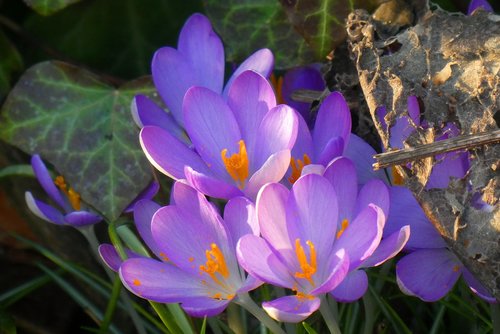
[110,309]
[247,303]
[327,314]
[234,319]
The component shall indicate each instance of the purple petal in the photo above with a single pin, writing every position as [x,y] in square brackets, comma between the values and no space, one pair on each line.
[158,281]
[374,192]
[388,247]
[428,273]
[333,148]
[211,126]
[381,112]
[303,143]
[305,77]
[361,153]
[414,109]
[250,98]
[112,259]
[333,120]
[240,218]
[454,164]
[475,4]
[143,214]
[313,169]
[333,273]
[146,112]
[400,131]
[210,185]
[168,154]
[199,44]
[44,211]
[477,287]
[173,75]
[82,218]
[277,132]
[273,170]
[148,193]
[43,176]
[258,259]
[261,61]
[362,235]
[291,308]
[204,306]
[342,175]
[352,288]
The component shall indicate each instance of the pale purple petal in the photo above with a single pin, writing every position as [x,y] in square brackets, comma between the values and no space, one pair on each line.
[146,112]
[277,132]
[428,274]
[204,51]
[352,288]
[168,154]
[148,193]
[452,165]
[375,192]
[259,260]
[240,217]
[173,75]
[333,120]
[204,306]
[250,283]
[143,215]
[43,176]
[333,148]
[210,185]
[342,175]
[303,143]
[475,4]
[388,248]
[361,153]
[261,61]
[43,210]
[111,258]
[477,287]
[212,127]
[291,308]
[332,273]
[158,281]
[313,169]
[250,98]
[82,218]
[273,170]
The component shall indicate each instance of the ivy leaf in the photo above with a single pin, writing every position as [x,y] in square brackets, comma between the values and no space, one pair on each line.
[10,63]
[246,26]
[47,7]
[84,128]
[322,22]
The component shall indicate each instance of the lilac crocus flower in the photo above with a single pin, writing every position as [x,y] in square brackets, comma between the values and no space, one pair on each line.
[299,249]
[197,61]
[237,146]
[197,264]
[475,4]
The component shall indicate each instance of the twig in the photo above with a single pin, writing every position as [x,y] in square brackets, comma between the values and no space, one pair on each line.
[406,155]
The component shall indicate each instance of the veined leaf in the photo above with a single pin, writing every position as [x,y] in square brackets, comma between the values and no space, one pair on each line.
[47,7]
[84,128]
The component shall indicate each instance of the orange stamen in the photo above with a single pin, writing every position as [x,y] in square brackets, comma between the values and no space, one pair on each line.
[297,166]
[308,269]
[216,263]
[345,223]
[71,194]
[277,83]
[237,164]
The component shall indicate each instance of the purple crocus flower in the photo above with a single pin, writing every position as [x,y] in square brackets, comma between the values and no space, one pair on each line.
[299,249]
[475,4]
[238,145]
[197,61]
[197,264]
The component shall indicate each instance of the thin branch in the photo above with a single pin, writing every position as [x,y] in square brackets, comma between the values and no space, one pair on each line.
[464,142]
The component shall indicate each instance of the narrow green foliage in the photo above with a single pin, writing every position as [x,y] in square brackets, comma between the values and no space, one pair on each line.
[10,64]
[308,328]
[17,170]
[397,323]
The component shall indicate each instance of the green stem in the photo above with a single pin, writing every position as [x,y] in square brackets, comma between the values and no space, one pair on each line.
[165,317]
[234,320]
[437,319]
[370,317]
[327,314]
[247,303]
[495,318]
[110,309]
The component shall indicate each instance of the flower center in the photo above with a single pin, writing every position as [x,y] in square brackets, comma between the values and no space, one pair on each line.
[308,268]
[344,225]
[237,164]
[216,264]
[397,179]
[72,195]
[297,166]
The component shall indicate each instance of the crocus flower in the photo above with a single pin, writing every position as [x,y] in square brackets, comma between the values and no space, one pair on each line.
[237,146]
[197,61]
[197,264]
[475,4]
[299,249]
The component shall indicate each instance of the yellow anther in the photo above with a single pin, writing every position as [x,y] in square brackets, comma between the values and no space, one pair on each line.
[302,295]
[397,179]
[345,223]
[136,282]
[216,263]
[308,269]
[277,83]
[297,166]
[237,164]
[71,194]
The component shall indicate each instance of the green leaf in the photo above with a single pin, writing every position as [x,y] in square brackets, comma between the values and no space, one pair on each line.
[398,324]
[84,128]
[308,328]
[117,37]
[248,25]
[47,7]
[7,323]
[17,170]
[322,22]
[10,63]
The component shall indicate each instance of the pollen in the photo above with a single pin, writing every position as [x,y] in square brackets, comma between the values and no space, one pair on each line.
[397,178]
[344,225]
[297,165]
[136,282]
[456,268]
[71,194]
[164,257]
[216,264]
[308,268]
[237,164]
